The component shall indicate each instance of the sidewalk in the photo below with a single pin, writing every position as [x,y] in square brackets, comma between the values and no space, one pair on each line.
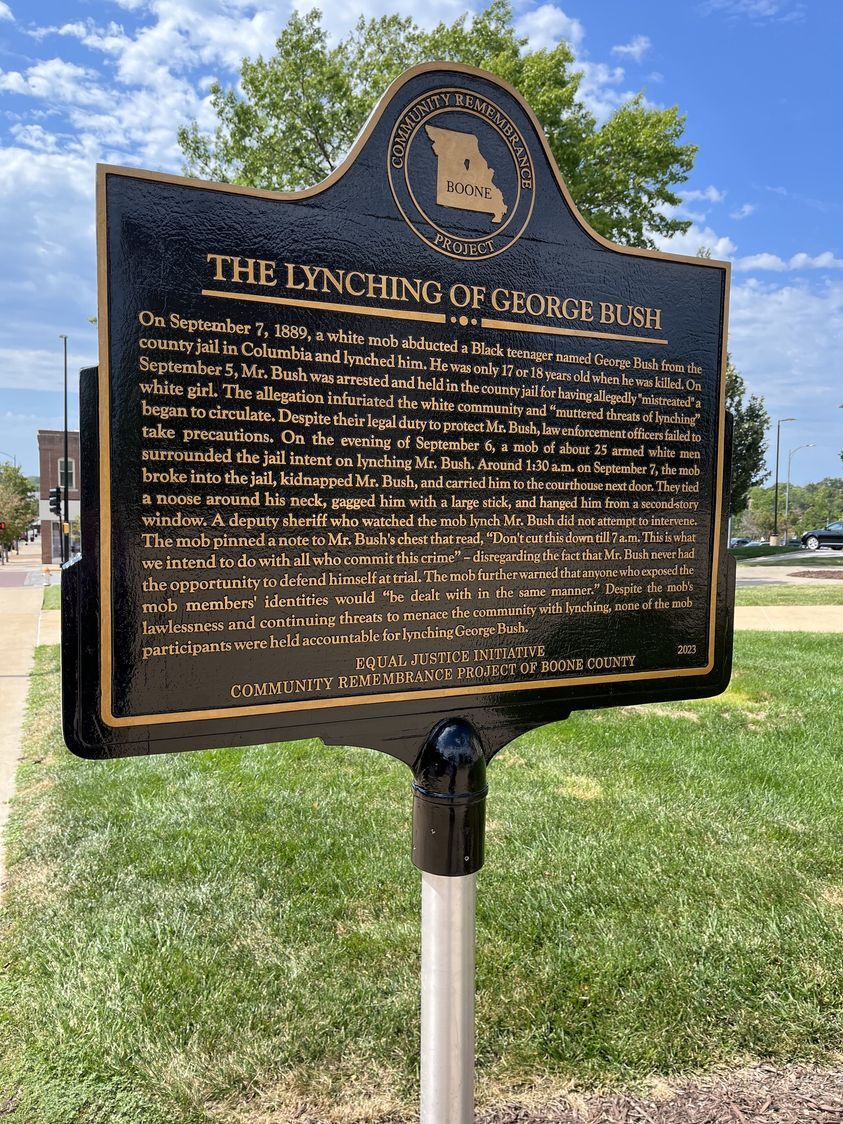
[20,611]
[790,618]
[24,569]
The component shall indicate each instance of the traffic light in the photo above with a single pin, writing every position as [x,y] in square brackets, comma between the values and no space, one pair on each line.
[55,501]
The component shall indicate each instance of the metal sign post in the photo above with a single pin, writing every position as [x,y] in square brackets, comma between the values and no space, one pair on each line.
[449,815]
[447,999]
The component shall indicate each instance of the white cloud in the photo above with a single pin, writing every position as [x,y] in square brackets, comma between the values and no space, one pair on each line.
[698,238]
[120,104]
[35,136]
[600,88]
[711,194]
[761,261]
[768,342]
[825,260]
[5,12]
[128,112]
[42,369]
[744,211]
[110,39]
[58,81]
[547,24]
[776,11]
[185,34]
[47,246]
[635,49]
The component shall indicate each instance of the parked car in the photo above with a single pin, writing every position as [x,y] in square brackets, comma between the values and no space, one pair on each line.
[832,536]
[739,542]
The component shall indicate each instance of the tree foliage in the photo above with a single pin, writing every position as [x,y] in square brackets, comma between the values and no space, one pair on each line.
[298,111]
[809,506]
[749,441]
[17,509]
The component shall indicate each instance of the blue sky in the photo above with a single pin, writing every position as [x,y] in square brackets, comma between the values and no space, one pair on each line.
[759,81]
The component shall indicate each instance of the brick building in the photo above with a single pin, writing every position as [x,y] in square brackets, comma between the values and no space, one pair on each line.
[51,460]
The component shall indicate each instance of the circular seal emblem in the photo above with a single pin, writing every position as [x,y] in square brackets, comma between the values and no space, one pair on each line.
[461,174]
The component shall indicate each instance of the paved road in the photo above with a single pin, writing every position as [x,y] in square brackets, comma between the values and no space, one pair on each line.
[785,575]
[796,556]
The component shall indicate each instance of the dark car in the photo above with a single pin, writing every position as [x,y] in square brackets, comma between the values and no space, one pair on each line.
[832,536]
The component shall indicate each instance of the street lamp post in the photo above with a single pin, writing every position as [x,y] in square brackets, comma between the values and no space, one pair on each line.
[65,537]
[774,540]
[810,445]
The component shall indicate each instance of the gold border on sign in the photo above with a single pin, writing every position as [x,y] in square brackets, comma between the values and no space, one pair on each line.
[104,393]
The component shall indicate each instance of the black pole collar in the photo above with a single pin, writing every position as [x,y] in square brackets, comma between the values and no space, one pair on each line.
[449,800]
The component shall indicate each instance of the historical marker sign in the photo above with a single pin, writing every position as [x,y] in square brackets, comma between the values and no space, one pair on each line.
[414,442]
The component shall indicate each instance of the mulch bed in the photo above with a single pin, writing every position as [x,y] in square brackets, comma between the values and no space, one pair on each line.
[761,1095]
[835,572]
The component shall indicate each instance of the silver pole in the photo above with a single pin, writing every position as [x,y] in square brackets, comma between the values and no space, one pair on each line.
[447,999]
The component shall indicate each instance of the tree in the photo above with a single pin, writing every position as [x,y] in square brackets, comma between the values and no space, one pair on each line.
[17,508]
[756,520]
[819,504]
[809,506]
[298,111]
[749,444]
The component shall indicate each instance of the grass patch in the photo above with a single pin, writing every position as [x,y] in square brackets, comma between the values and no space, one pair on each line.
[834,558]
[224,936]
[819,594]
[52,597]
[765,551]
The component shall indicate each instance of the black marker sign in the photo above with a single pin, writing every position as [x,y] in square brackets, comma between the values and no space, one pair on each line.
[409,444]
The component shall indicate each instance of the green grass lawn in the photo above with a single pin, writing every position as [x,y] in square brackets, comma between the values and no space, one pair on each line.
[52,597]
[820,593]
[224,936]
[824,558]
[764,551]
